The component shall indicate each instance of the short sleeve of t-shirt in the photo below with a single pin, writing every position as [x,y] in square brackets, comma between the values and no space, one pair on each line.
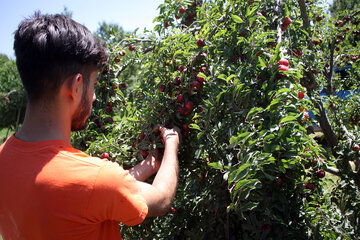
[116,196]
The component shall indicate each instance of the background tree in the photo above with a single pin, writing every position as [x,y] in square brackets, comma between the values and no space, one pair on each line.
[67,12]
[339,6]
[110,33]
[12,94]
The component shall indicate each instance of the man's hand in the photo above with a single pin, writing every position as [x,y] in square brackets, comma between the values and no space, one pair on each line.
[160,194]
[170,134]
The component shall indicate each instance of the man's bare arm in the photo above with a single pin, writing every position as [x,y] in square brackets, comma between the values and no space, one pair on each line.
[146,168]
[160,194]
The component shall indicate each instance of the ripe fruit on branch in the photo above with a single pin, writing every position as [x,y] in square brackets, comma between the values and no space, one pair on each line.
[301,95]
[317,42]
[306,116]
[108,109]
[186,127]
[181,68]
[144,153]
[167,24]
[177,80]
[200,43]
[200,79]
[162,88]
[283,68]
[189,105]
[141,137]
[298,53]
[339,23]
[172,210]
[117,59]
[284,62]
[309,186]
[105,70]
[319,18]
[287,21]
[105,155]
[122,85]
[284,27]
[182,10]
[180,98]
[196,85]
[131,48]
[355,148]
[156,131]
[114,87]
[320,173]
[184,110]
[122,53]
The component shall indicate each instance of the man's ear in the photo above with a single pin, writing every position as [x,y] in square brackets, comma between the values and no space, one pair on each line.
[75,86]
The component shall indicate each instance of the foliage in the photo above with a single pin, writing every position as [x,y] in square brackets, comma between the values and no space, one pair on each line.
[12,95]
[250,168]
[339,6]
[110,33]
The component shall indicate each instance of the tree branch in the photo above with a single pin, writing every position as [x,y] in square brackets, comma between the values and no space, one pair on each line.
[132,40]
[306,22]
[121,70]
[330,75]
[329,133]
[278,27]
[334,171]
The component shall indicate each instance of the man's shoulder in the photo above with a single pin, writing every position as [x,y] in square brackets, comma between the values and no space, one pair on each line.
[80,156]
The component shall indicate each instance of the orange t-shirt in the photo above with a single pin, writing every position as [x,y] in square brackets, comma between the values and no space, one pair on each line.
[49,190]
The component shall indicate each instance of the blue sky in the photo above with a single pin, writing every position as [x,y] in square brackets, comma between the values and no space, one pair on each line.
[128,14]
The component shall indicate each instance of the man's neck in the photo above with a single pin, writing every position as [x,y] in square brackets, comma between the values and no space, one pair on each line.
[43,122]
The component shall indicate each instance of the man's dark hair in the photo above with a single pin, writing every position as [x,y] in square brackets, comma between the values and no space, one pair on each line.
[50,48]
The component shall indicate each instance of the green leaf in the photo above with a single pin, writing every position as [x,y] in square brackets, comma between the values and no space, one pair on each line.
[216,165]
[250,12]
[222,77]
[261,62]
[288,119]
[230,77]
[237,19]
[239,173]
[202,75]
[195,126]
[283,90]
[273,103]
[178,52]
[254,111]
[249,206]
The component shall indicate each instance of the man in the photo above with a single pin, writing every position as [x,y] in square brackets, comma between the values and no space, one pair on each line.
[49,190]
